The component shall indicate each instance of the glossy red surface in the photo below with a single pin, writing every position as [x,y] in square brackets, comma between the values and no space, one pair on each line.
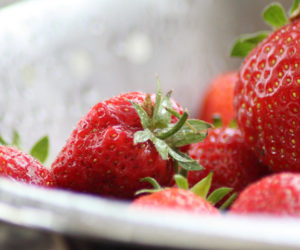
[267,100]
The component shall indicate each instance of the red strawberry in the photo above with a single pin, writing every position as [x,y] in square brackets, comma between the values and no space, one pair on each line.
[181,199]
[275,195]
[219,99]
[20,166]
[119,142]
[266,99]
[175,199]
[224,153]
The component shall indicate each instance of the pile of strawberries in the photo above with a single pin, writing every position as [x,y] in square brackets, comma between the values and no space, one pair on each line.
[144,148]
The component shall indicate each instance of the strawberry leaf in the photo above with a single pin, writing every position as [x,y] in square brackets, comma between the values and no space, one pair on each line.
[294,6]
[246,43]
[40,149]
[181,182]
[189,133]
[146,191]
[233,124]
[218,194]
[3,141]
[152,181]
[142,136]
[217,121]
[180,157]
[16,139]
[202,187]
[275,15]
[229,201]
[180,140]
[173,128]
[191,166]
[161,146]
[163,117]
[145,120]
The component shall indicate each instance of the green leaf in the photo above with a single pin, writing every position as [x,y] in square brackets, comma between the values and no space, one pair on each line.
[217,121]
[145,120]
[189,133]
[229,201]
[40,149]
[275,16]
[202,187]
[246,43]
[189,163]
[175,128]
[218,194]
[181,182]
[233,124]
[142,136]
[152,181]
[2,141]
[163,116]
[191,166]
[158,98]
[161,146]
[179,140]
[294,6]
[179,156]
[146,191]
[173,112]
[198,125]
[16,139]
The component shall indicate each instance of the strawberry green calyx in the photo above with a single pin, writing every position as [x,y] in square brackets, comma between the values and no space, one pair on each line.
[218,123]
[201,189]
[274,15]
[39,150]
[168,137]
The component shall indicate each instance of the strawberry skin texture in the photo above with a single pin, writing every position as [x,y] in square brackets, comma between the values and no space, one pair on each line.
[175,199]
[100,156]
[278,194]
[225,153]
[266,99]
[219,99]
[19,166]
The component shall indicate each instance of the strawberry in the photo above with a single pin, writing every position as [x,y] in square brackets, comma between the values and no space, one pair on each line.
[224,153]
[278,194]
[180,198]
[266,97]
[123,139]
[175,199]
[218,100]
[19,166]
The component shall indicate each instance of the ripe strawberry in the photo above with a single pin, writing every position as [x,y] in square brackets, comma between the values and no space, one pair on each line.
[175,199]
[218,100]
[120,141]
[278,194]
[181,199]
[20,166]
[266,98]
[224,153]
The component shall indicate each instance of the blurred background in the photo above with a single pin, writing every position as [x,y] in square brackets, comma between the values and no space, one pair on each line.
[59,58]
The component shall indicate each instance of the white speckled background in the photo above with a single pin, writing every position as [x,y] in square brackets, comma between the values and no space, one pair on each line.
[59,58]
